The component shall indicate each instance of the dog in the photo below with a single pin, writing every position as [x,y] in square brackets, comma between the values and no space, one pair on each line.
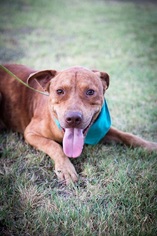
[74,113]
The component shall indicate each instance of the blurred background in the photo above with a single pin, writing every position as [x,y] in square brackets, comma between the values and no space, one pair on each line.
[115,36]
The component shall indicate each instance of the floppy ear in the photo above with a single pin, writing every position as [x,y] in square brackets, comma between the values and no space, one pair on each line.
[41,78]
[104,78]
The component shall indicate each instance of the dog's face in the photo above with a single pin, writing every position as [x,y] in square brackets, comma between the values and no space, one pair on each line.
[76,96]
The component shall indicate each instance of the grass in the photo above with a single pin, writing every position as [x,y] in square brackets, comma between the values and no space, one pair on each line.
[117,189]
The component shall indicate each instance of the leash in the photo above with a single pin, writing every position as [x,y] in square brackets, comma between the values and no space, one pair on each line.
[19,80]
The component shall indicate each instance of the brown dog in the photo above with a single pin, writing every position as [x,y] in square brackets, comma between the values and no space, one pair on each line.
[74,104]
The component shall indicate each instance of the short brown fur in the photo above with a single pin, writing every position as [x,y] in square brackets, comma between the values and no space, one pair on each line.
[34,114]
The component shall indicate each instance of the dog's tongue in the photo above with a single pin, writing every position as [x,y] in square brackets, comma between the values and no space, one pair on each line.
[73,142]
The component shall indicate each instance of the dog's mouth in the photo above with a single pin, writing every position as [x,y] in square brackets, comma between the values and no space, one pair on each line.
[73,141]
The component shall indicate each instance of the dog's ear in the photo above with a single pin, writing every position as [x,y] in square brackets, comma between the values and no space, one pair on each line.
[41,78]
[104,78]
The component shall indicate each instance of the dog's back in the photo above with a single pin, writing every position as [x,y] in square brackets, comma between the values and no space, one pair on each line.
[14,98]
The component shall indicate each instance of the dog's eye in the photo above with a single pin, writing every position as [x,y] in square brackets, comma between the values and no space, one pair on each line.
[90,92]
[60,91]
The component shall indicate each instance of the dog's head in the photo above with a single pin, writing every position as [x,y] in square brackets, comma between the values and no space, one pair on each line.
[76,96]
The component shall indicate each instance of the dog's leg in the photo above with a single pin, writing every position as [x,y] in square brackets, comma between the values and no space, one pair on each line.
[128,139]
[64,169]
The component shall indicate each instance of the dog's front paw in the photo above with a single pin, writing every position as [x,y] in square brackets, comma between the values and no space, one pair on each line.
[65,171]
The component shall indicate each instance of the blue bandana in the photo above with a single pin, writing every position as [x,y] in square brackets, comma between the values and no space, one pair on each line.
[99,128]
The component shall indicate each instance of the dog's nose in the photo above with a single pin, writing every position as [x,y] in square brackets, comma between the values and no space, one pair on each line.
[73,118]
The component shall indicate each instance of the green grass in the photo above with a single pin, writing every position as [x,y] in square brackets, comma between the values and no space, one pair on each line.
[117,189]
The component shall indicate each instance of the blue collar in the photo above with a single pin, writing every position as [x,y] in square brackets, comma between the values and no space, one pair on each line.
[99,128]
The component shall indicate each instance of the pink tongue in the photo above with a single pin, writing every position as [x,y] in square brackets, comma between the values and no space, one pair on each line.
[73,142]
